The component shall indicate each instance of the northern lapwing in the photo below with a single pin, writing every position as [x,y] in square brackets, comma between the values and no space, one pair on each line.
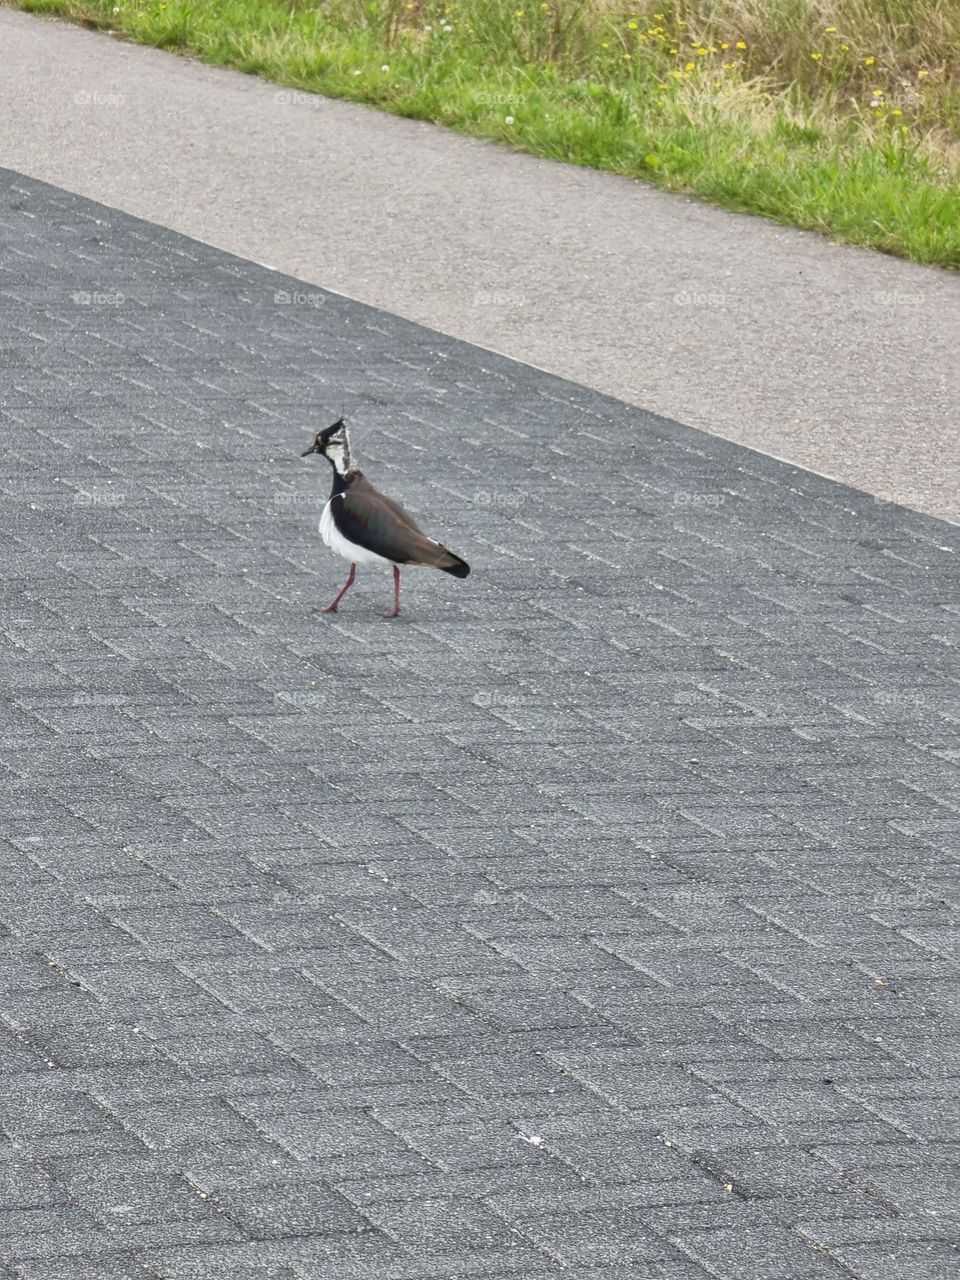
[366,527]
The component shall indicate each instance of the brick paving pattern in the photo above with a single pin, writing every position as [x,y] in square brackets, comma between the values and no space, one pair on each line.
[596,918]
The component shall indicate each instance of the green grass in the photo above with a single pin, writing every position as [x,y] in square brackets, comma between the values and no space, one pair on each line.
[836,115]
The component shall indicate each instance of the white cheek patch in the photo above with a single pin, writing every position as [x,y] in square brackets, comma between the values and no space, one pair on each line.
[338,451]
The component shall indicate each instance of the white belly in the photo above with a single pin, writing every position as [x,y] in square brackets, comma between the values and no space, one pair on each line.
[335,540]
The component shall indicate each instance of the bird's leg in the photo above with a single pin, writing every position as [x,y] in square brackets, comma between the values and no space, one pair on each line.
[332,607]
[396,594]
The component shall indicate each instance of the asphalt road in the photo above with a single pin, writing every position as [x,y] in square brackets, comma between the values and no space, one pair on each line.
[840,360]
[596,919]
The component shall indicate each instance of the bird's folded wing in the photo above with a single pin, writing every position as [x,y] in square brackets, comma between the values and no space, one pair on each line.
[360,487]
[404,516]
[368,519]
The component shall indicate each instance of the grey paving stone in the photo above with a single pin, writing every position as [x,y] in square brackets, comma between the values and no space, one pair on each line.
[499,942]
[773,1172]
[925,1259]
[613,1236]
[117,1267]
[297,1208]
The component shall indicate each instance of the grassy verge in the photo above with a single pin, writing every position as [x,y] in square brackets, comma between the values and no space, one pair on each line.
[836,115]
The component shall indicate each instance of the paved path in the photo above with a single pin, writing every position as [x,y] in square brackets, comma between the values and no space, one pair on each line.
[595,919]
[840,360]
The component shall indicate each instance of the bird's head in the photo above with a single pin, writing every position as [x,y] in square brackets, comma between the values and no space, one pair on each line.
[333,443]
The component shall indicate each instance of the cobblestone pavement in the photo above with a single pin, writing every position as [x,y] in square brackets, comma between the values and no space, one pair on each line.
[594,919]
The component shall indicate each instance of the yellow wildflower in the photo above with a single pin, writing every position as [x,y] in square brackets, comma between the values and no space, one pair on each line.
[830,31]
[816,56]
[868,62]
[724,44]
[690,66]
[632,26]
[741,44]
[922,75]
[896,112]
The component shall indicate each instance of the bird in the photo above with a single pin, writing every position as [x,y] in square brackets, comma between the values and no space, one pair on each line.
[366,527]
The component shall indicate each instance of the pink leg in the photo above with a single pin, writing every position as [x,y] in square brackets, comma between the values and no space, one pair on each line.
[332,607]
[394,612]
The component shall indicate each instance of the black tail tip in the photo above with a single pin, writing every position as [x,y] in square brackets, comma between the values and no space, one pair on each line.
[459,569]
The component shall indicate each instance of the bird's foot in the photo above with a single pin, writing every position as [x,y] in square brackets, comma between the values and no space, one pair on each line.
[394,613]
[330,608]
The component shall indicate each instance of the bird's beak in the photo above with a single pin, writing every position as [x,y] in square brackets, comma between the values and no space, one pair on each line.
[313,449]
